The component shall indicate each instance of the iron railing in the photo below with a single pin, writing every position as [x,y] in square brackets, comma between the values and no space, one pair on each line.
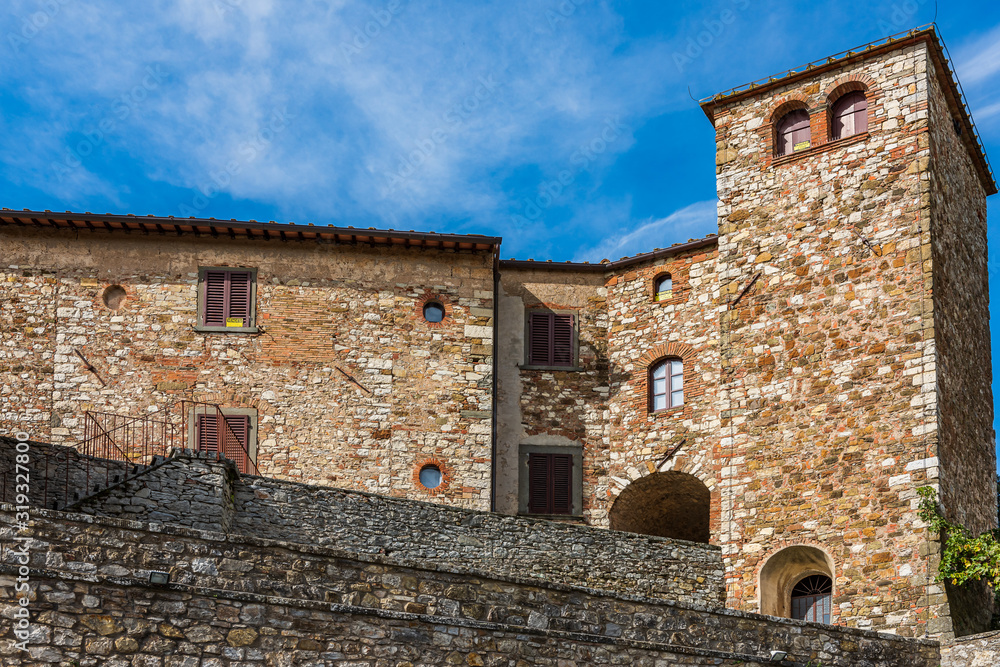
[115,448]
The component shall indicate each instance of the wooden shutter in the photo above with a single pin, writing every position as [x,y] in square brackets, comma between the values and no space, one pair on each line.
[850,115]
[562,340]
[562,483]
[239,296]
[538,483]
[214,303]
[550,339]
[793,129]
[207,433]
[540,339]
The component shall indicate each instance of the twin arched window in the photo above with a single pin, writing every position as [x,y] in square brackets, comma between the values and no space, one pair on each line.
[849,116]
[666,383]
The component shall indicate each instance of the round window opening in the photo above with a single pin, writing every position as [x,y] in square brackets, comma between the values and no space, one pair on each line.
[114,297]
[433,312]
[430,476]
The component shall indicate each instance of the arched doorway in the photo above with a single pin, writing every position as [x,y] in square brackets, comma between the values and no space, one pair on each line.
[797,582]
[667,504]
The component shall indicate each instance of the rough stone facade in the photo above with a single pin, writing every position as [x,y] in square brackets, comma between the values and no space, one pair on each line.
[351,386]
[981,650]
[254,601]
[831,390]
[199,491]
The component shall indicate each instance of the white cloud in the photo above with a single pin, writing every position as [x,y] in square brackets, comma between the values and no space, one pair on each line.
[979,60]
[693,221]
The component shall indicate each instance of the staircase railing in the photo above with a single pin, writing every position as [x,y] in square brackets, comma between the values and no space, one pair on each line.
[117,447]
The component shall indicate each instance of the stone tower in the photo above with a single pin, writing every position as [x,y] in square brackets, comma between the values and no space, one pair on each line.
[855,343]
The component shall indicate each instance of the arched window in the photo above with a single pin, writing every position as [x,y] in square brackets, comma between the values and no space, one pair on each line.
[666,382]
[811,599]
[850,115]
[663,287]
[793,132]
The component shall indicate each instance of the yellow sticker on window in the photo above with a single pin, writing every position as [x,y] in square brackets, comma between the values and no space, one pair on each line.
[802,144]
[234,321]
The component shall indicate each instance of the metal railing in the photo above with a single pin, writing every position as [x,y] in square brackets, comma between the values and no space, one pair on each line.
[116,448]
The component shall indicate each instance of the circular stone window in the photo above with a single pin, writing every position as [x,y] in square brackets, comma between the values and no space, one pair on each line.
[114,296]
[430,476]
[433,311]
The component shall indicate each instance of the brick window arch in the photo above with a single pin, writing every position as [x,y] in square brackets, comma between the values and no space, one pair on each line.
[792,132]
[666,384]
[849,115]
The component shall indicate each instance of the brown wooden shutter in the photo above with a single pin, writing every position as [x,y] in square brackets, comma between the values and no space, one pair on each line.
[540,339]
[214,303]
[538,483]
[562,483]
[562,340]
[240,284]
[240,426]
[207,434]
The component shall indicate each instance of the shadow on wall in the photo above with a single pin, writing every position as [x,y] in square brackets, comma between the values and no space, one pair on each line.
[666,504]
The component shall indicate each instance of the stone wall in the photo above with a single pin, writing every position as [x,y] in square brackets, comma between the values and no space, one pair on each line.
[351,385]
[194,490]
[641,332]
[981,650]
[828,401]
[963,370]
[253,601]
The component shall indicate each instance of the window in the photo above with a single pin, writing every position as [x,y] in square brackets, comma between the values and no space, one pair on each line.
[811,599]
[226,300]
[433,311]
[550,483]
[430,476]
[550,339]
[793,132]
[236,440]
[666,380]
[663,287]
[850,115]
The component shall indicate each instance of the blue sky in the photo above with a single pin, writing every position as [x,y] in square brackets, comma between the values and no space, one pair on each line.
[457,117]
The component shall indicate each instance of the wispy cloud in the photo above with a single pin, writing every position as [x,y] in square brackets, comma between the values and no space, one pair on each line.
[693,221]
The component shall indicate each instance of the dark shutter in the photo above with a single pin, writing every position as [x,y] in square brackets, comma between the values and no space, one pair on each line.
[240,426]
[538,483]
[239,296]
[562,483]
[550,339]
[550,483]
[214,305]
[562,340]
[539,339]
[207,434]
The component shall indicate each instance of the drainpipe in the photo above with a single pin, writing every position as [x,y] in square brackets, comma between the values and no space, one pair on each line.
[496,347]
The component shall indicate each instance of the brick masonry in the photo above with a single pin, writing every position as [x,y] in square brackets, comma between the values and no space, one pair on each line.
[250,600]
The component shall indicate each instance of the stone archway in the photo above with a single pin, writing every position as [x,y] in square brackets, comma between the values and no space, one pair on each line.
[666,504]
[784,569]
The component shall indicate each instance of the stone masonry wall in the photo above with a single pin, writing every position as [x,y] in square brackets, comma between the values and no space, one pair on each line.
[981,650]
[828,400]
[194,490]
[351,385]
[253,601]
[641,331]
[553,407]
[963,370]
